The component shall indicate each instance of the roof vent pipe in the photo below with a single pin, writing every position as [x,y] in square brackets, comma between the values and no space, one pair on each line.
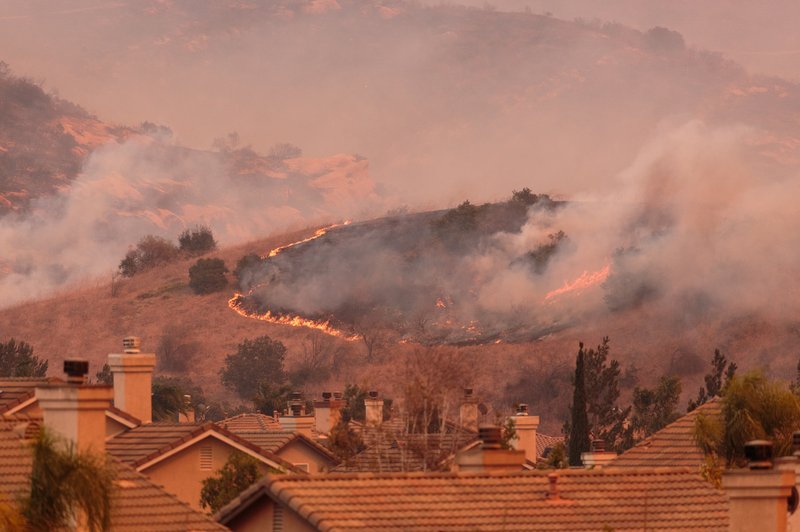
[758,454]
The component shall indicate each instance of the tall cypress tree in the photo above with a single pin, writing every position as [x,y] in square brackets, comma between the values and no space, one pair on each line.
[579,420]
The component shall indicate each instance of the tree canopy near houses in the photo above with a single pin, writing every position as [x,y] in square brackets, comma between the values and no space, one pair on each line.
[17,360]
[238,473]
[255,361]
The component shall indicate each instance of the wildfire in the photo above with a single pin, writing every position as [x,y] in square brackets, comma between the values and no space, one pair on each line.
[584,281]
[318,233]
[293,321]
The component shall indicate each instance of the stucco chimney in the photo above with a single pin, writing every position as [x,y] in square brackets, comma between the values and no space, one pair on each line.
[469,411]
[327,412]
[374,408]
[296,418]
[76,410]
[133,379]
[759,495]
[598,456]
[187,416]
[490,455]
[526,427]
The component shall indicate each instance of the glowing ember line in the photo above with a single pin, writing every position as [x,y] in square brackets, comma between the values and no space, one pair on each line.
[580,284]
[318,233]
[293,321]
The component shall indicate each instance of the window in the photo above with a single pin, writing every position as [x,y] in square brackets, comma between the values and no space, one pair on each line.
[206,458]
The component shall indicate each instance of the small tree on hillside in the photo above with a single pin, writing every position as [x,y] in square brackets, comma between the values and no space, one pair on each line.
[151,251]
[18,360]
[207,276]
[243,268]
[255,361]
[175,352]
[238,473]
[197,241]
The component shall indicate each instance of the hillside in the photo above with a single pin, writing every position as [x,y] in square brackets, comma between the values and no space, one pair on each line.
[89,322]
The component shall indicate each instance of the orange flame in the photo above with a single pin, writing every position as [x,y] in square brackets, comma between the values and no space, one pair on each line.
[293,321]
[318,233]
[584,281]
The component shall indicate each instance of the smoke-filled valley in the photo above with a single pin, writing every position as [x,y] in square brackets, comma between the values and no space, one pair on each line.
[621,182]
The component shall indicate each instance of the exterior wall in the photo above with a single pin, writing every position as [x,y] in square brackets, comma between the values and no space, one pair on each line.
[114,427]
[260,517]
[180,474]
[298,452]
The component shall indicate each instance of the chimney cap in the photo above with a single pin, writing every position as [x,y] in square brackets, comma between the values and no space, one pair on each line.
[373,394]
[132,344]
[759,454]
[598,446]
[337,395]
[76,369]
[522,409]
[468,392]
[326,395]
[296,396]
[796,442]
[491,436]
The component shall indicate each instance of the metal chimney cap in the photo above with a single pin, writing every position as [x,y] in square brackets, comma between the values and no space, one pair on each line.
[467,392]
[327,395]
[522,409]
[598,446]
[132,344]
[373,394]
[759,454]
[76,369]
[296,395]
[337,395]
[796,442]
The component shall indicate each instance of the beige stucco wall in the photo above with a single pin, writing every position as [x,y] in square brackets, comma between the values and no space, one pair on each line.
[114,427]
[298,452]
[180,474]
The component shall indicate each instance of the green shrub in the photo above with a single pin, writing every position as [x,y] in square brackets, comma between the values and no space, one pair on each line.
[197,241]
[151,251]
[207,276]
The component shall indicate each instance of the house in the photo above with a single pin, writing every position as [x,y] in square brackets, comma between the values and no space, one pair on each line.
[77,412]
[673,445]
[576,500]
[179,456]
[294,447]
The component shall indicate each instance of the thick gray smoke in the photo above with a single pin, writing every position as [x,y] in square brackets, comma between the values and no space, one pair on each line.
[699,227]
[148,186]
[446,102]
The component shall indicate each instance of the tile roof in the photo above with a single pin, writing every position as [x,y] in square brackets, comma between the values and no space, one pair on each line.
[249,422]
[588,500]
[145,443]
[390,449]
[16,390]
[674,445]
[545,444]
[274,441]
[136,503]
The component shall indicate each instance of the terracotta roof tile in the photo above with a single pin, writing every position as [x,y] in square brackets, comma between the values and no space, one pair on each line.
[249,422]
[144,443]
[16,390]
[658,498]
[674,445]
